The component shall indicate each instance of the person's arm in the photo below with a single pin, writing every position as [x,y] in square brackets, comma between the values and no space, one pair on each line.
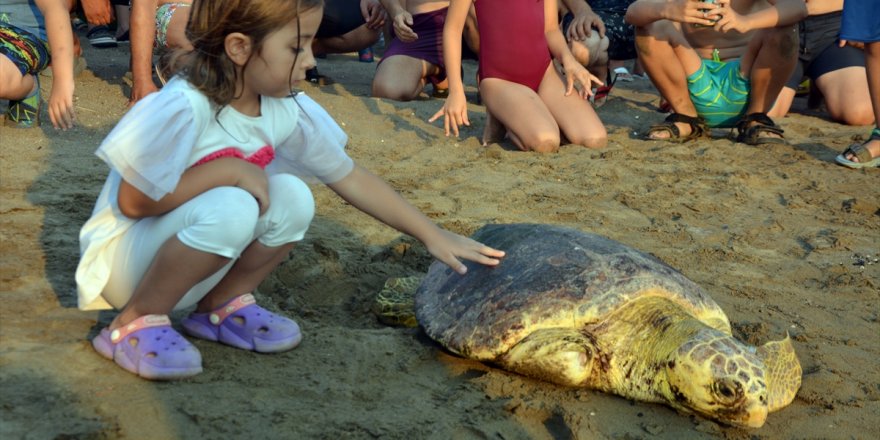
[584,21]
[645,12]
[560,51]
[401,20]
[782,13]
[143,36]
[370,194]
[454,109]
[57,16]
[819,7]
[227,171]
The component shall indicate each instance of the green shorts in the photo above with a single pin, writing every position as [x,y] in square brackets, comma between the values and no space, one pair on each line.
[719,92]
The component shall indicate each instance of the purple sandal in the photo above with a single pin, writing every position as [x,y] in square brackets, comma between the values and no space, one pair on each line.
[243,324]
[150,348]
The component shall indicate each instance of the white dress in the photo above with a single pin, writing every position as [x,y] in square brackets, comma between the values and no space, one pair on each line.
[167,132]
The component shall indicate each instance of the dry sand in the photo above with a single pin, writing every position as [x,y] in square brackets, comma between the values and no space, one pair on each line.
[775,234]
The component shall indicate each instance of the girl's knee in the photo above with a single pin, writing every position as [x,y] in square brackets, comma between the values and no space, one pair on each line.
[542,143]
[224,223]
[291,210]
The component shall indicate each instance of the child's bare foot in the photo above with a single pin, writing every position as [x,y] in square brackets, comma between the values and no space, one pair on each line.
[494,130]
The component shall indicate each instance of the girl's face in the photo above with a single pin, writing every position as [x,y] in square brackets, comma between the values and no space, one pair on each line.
[269,72]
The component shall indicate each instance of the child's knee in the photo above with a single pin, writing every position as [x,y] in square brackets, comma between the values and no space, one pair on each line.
[542,143]
[225,224]
[291,210]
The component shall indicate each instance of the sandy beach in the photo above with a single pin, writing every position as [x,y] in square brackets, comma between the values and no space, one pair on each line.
[785,240]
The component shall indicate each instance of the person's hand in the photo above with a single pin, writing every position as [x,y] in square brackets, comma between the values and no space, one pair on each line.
[582,25]
[691,11]
[574,71]
[454,113]
[254,180]
[61,109]
[373,13]
[449,247]
[402,27]
[140,89]
[98,12]
[729,20]
[855,44]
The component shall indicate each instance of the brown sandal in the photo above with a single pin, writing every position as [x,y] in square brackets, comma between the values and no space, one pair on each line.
[698,128]
[754,127]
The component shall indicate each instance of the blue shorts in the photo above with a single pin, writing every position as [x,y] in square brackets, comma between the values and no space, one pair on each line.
[719,92]
[861,21]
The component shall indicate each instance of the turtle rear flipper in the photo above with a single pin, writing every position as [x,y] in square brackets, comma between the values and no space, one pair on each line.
[782,370]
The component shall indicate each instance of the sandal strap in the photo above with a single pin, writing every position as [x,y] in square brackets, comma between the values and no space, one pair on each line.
[762,119]
[875,134]
[860,152]
[235,304]
[141,323]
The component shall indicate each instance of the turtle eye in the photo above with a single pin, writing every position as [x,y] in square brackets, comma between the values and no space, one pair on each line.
[727,391]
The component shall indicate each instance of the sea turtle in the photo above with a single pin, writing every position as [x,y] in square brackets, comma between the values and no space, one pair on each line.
[582,310]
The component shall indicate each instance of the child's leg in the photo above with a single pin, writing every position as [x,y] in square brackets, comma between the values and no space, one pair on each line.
[13,84]
[167,262]
[657,44]
[286,222]
[402,77]
[576,117]
[529,122]
[769,61]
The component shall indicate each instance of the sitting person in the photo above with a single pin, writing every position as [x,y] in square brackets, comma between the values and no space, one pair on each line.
[734,57]
[159,24]
[589,48]
[860,26]
[414,56]
[346,27]
[527,98]
[836,73]
[29,31]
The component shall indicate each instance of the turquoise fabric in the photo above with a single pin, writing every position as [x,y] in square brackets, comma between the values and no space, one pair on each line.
[719,92]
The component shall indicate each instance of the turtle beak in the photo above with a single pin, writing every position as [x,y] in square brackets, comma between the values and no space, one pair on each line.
[754,416]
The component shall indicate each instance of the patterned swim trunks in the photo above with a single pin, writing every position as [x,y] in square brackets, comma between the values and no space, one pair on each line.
[28,52]
[163,16]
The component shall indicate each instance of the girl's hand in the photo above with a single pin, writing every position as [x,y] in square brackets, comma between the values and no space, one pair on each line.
[61,109]
[402,29]
[575,71]
[373,13]
[729,20]
[454,112]
[253,179]
[448,247]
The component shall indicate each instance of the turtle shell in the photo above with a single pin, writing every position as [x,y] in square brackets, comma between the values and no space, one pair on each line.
[551,277]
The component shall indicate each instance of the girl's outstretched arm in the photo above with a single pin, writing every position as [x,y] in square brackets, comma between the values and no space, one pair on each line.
[57,16]
[454,109]
[228,171]
[373,196]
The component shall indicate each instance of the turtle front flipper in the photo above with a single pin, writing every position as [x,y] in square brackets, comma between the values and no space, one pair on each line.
[559,355]
[782,371]
[394,304]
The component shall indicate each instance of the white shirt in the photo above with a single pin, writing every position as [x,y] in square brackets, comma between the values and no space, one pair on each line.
[167,132]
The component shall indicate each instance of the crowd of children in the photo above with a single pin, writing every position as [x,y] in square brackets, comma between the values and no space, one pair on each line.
[208,170]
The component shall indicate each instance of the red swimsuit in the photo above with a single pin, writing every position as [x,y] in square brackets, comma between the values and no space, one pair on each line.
[513,45]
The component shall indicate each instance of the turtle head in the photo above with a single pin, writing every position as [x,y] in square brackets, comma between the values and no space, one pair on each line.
[718,377]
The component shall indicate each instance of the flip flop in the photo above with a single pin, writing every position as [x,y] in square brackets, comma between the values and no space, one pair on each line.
[150,348]
[243,324]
